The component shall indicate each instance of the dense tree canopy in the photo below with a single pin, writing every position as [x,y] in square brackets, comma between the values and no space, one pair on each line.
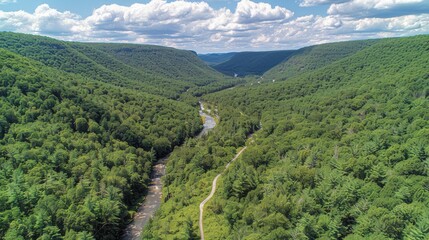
[152,69]
[76,153]
[191,169]
[342,153]
[339,148]
[313,57]
[253,63]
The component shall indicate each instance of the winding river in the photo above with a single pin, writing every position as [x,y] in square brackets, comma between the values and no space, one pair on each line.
[209,122]
[153,198]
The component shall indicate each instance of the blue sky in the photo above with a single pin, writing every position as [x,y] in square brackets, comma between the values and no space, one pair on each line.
[85,7]
[217,25]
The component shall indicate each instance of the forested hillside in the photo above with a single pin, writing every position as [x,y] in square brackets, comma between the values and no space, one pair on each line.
[74,152]
[281,65]
[337,146]
[342,154]
[170,63]
[313,57]
[152,69]
[190,170]
[252,63]
[216,58]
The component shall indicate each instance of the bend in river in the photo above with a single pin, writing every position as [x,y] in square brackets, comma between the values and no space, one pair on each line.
[209,122]
[153,198]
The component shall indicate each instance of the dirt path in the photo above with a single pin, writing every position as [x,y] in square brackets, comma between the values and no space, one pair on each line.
[213,192]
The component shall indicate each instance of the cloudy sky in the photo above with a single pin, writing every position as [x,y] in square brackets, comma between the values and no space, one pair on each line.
[217,25]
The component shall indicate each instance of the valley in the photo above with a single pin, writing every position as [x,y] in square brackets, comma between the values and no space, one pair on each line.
[338,147]
[94,135]
[78,132]
[152,200]
[212,192]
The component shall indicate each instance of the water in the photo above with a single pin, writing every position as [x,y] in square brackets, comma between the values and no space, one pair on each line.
[209,123]
[153,198]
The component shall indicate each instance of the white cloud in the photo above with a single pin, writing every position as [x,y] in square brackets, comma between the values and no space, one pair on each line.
[48,20]
[16,21]
[402,24]
[316,29]
[172,19]
[310,3]
[198,26]
[7,1]
[328,23]
[44,20]
[379,8]
[250,12]
[156,17]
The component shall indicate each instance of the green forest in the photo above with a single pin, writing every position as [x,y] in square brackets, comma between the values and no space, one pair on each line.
[76,152]
[152,69]
[341,153]
[337,141]
[80,127]
[252,63]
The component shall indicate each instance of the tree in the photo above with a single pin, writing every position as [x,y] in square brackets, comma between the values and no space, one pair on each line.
[81,124]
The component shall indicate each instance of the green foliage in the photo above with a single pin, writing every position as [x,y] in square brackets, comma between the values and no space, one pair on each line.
[216,58]
[190,170]
[314,57]
[342,153]
[152,69]
[252,63]
[75,153]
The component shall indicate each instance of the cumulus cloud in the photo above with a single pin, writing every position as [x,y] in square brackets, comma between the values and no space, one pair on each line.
[172,19]
[310,3]
[400,24]
[328,23]
[156,17]
[48,20]
[317,29]
[7,1]
[250,12]
[198,26]
[379,8]
[44,20]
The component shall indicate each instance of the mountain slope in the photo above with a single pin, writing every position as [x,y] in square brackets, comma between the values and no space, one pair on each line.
[77,153]
[280,65]
[342,154]
[313,57]
[170,63]
[252,63]
[159,70]
[344,143]
[216,58]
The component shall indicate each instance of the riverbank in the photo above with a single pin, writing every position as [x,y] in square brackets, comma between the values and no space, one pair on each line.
[154,195]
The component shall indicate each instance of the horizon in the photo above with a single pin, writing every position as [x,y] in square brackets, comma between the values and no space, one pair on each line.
[217,26]
[208,53]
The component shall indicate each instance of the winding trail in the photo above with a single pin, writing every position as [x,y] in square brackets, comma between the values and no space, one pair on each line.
[213,192]
[153,198]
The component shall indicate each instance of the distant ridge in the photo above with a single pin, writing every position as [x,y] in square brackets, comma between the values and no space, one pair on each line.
[314,57]
[252,63]
[343,152]
[288,62]
[213,59]
[153,69]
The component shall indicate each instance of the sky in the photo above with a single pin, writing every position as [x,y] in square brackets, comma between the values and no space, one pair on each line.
[217,25]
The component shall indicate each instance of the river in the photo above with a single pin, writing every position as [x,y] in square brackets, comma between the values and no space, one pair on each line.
[209,122]
[153,198]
